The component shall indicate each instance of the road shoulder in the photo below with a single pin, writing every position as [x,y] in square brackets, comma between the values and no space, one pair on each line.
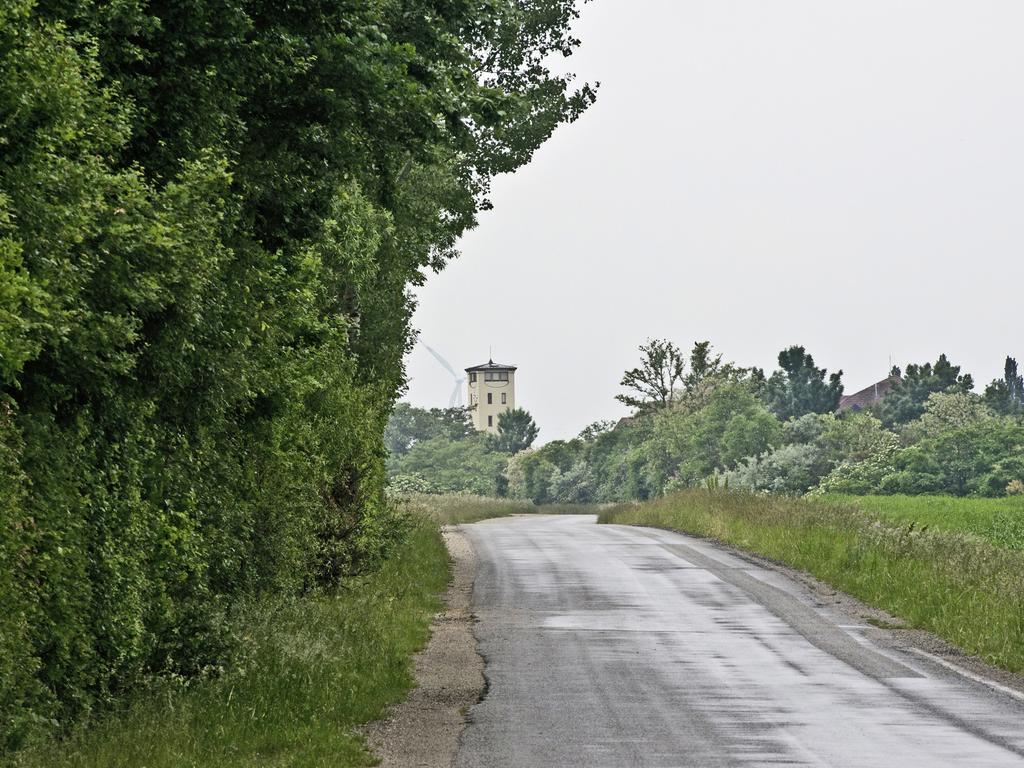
[424,730]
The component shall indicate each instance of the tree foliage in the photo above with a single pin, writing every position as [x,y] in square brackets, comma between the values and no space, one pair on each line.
[516,431]
[718,429]
[655,382]
[906,401]
[1006,395]
[210,217]
[443,465]
[798,387]
[409,425]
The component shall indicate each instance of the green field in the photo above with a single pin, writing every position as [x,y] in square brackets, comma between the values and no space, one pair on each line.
[315,668]
[998,520]
[962,587]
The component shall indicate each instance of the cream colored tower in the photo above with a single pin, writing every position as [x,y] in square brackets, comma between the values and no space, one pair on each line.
[492,391]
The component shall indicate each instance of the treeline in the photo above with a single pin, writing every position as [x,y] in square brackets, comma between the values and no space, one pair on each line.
[439,451]
[210,214]
[702,421]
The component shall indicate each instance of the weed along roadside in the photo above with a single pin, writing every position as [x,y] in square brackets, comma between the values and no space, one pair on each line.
[964,589]
[316,668]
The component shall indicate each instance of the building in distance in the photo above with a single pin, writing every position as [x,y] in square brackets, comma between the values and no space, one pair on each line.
[869,396]
[492,391]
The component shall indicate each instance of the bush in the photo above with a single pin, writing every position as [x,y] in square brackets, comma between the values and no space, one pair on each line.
[574,486]
[453,466]
[793,469]
[860,477]
[414,483]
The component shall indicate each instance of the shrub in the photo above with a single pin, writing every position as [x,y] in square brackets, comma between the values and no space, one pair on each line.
[413,483]
[469,465]
[787,469]
[860,477]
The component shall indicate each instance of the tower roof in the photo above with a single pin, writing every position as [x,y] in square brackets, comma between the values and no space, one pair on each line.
[490,365]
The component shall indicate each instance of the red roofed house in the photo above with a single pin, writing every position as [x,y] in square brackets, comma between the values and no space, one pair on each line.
[868,396]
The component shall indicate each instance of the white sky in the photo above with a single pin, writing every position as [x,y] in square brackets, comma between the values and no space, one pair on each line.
[844,175]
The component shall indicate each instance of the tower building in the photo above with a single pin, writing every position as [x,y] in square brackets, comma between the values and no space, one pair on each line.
[492,391]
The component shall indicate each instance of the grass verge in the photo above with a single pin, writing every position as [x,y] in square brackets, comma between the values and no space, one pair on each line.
[315,668]
[962,588]
[1001,521]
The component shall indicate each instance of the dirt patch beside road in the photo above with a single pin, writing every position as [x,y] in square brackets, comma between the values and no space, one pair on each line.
[423,731]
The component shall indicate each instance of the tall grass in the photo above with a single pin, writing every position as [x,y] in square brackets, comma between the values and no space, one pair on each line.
[962,588]
[998,520]
[315,668]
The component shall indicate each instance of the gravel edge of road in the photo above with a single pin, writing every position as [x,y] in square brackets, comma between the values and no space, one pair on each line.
[885,629]
[425,729]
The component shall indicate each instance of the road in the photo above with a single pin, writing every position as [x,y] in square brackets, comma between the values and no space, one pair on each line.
[617,646]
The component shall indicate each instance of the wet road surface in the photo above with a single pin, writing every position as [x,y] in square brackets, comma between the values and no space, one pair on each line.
[618,646]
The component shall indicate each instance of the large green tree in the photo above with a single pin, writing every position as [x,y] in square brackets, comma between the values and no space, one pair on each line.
[1006,395]
[211,214]
[906,401]
[683,447]
[799,387]
[516,431]
[656,382]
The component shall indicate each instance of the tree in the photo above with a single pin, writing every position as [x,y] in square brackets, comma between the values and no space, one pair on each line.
[981,459]
[854,436]
[944,411]
[656,380]
[707,373]
[906,400]
[211,215]
[703,365]
[575,485]
[1006,395]
[595,429]
[685,447]
[453,466]
[409,425]
[799,387]
[516,431]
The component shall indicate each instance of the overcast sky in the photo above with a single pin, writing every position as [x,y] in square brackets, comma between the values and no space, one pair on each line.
[844,175]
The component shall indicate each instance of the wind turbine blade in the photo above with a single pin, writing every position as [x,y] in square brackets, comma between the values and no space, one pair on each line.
[441,360]
[455,394]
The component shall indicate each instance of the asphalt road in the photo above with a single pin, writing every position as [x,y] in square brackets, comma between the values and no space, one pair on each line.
[618,646]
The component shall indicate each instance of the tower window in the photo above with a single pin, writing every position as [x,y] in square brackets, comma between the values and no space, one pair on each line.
[504,398]
[490,421]
[490,398]
[472,378]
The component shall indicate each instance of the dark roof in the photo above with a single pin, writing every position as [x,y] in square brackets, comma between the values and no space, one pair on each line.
[868,396]
[490,365]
